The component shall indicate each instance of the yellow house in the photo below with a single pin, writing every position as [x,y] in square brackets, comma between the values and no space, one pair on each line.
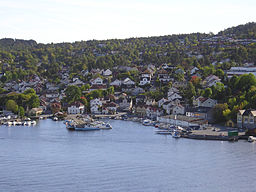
[230,123]
[35,112]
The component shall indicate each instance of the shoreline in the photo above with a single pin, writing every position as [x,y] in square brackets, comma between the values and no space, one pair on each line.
[210,132]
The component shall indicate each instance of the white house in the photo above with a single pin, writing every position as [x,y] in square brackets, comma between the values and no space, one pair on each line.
[145,77]
[167,106]
[161,102]
[173,96]
[107,73]
[211,81]
[116,83]
[172,90]
[128,82]
[96,101]
[95,109]
[163,76]
[178,109]
[85,72]
[77,81]
[97,81]
[76,108]
[204,102]
[193,70]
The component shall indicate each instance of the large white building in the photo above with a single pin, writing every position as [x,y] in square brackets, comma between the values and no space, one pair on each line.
[76,108]
[240,71]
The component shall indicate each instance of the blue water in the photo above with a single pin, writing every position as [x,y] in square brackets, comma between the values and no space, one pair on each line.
[130,157]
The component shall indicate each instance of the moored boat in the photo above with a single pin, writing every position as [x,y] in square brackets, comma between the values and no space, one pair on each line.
[163,132]
[147,122]
[251,139]
[86,127]
[176,134]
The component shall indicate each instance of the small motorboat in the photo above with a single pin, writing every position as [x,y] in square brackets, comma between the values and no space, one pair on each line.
[55,119]
[176,134]
[147,122]
[251,139]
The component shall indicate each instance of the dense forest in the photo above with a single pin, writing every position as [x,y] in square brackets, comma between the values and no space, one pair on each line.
[21,58]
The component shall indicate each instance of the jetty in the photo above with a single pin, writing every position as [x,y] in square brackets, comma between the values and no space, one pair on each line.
[215,134]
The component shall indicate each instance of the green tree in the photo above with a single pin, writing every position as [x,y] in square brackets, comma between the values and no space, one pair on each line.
[218,112]
[207,92]
[11,105]
[34,101]
[190,92]
[220,73]
[73,93]
[21,111]
[111,90]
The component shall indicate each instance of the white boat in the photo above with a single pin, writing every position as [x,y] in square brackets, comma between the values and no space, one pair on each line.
[101,125]
[55,119]
[33,122]
[176,134]
[147,122]
[106,126]
[9,123]
[18,123]
[251,139]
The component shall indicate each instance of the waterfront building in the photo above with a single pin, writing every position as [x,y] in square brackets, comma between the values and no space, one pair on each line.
[76,108]
[246,119]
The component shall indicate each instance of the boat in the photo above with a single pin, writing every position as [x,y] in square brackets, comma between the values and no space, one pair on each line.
[163,132]
[176,134]
[105,126]
[55,119]
[101,125]
[80,127]
[251,139]
[86,127]
[33,122]
[147,122]
[18,123]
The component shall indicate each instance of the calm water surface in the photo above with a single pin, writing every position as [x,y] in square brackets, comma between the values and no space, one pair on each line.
[130,157]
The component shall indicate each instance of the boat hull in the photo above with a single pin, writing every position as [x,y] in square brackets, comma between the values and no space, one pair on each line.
[86,128]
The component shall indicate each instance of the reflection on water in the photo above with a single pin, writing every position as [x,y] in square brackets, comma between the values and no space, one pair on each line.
[130,157]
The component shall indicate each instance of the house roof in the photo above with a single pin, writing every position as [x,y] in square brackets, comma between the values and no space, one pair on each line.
[241,112]
[76,103]
[146,72]
[249,111]
[112,104]
[162,71]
